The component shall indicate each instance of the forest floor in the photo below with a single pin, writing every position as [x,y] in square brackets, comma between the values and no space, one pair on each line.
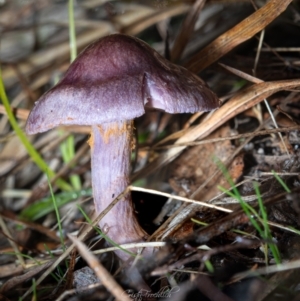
[217,192]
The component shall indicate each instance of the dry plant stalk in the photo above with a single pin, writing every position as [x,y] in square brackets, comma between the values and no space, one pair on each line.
[186,30]
[105,277]
[240,102]
[237,35]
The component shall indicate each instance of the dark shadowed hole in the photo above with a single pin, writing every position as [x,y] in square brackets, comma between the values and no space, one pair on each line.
[147,207]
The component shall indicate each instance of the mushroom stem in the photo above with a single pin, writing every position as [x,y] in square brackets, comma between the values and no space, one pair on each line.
[110,157]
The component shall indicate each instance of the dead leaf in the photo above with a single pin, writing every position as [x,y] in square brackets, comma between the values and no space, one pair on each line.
[240,102]
[237,35]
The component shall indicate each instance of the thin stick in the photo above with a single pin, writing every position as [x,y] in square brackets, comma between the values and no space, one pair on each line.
[171,196]
[81,237]
[105,277]
[12,242]
[131,246]
[256,80]
[234,137]
[295,264]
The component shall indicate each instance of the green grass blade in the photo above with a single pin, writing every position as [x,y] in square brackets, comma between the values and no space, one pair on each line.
[267,231]
[45,205]
[249,211]
[34,293]
[281,182]
[264,232]
[68,147]
[68,152]
[209,266]
[61,236]
[72,32]
[35,156]
[103,235]
[60,272]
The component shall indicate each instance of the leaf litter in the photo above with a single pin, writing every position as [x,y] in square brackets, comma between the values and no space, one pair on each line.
[204,250]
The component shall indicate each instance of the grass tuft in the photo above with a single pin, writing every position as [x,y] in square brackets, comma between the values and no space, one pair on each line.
[256,219]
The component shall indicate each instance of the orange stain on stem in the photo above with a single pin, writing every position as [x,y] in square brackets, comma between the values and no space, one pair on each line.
[115,130]
[91,140]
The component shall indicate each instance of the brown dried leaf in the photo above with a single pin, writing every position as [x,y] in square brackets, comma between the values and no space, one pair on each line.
[186,30]
[190,170]
[242,101]
[158,15]
[237,35]
[13,282]
[195,166]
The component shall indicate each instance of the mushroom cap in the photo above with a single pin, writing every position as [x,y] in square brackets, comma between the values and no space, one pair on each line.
[114,79]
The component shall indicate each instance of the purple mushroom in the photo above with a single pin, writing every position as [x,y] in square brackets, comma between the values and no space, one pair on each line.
[110,83]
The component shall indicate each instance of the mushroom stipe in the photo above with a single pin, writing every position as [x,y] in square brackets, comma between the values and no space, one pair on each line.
[113,81]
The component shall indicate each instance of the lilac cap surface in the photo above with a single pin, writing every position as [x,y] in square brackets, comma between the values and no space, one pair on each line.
[115,79]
